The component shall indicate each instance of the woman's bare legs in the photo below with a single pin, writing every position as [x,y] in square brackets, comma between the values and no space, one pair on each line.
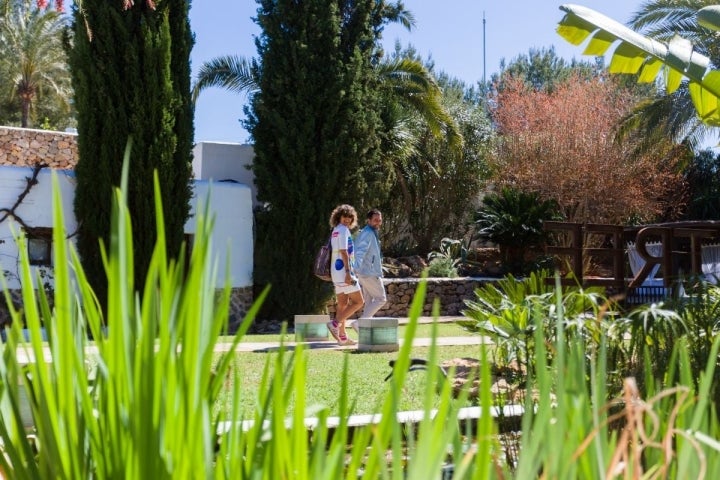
[348,303]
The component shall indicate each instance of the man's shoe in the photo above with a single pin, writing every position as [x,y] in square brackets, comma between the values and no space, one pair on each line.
[334,329]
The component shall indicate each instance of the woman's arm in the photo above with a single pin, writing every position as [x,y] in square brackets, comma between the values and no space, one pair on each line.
[348,268]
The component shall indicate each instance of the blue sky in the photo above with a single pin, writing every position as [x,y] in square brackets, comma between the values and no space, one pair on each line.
[448,31]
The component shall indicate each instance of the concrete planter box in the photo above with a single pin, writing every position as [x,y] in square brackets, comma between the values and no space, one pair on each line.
[378,335]
[311,328]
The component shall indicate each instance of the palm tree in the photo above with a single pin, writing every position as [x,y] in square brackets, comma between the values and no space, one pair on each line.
[32,56]
[671,55]
[672,115]
[411,84]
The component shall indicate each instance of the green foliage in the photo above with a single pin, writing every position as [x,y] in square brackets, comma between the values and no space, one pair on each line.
[140,403]
[542,69]
[436,179]
[703,182]
[315,125]
[506,310]
[672,115]
[442,267]
[446,261]
[34,75]
[131,77]
[513,220]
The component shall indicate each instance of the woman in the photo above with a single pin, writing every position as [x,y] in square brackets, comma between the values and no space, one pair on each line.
[342,270]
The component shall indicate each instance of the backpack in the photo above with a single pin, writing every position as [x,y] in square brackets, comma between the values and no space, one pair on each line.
[321,267]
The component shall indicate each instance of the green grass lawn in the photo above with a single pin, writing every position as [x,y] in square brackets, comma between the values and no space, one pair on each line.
[366,372]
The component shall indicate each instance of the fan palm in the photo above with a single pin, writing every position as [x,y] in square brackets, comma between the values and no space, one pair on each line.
[32,56]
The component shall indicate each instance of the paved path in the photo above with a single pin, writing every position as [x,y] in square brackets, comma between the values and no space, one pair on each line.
[332,344]
[25,354]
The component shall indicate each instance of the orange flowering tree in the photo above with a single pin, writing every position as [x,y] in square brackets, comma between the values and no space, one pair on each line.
[562,144]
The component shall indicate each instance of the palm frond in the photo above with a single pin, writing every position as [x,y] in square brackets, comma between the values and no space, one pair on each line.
[416,87]
[635,53]
[231,72]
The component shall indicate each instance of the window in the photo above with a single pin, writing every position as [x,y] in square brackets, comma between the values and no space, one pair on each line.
[39,246]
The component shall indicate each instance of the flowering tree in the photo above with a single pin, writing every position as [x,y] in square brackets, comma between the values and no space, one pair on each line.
[59,5]
[562,145]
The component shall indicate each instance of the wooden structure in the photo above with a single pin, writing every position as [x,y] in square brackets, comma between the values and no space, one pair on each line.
[681,250]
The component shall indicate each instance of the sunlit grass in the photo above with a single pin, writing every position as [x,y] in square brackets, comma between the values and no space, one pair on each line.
[366,373]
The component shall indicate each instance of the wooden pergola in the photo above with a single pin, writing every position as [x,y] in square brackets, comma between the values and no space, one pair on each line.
[681,250]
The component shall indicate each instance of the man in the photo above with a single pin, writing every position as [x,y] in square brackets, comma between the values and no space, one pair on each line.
[368,261]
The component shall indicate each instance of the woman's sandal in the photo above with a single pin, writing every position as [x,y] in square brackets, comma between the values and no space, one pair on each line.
[345,340]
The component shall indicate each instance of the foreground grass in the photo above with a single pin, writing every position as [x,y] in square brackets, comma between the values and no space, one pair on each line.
[366,386]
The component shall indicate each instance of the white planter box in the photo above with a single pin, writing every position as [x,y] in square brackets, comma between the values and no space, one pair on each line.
[311,328]
[378,334]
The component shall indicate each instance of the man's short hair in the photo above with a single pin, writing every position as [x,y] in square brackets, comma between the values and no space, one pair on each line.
[373,212]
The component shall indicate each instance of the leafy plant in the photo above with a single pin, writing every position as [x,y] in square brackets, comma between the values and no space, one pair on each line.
[140,404]
[505,311]
[445,261]
[442,267]
[513,220]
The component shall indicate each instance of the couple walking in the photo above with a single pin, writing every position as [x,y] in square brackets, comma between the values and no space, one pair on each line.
[356,269]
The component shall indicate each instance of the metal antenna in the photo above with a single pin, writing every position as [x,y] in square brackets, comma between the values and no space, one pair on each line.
[483,47]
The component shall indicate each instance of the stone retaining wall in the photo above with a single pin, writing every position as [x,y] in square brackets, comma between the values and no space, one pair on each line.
[26,147]
[451,293]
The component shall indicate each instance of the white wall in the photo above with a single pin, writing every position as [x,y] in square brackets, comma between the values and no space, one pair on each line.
[224,161]
[231,207]
[230,203]
[35,210]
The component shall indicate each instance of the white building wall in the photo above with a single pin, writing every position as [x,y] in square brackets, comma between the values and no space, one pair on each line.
[230,203]
[35,210]
[225,161]
[231,207]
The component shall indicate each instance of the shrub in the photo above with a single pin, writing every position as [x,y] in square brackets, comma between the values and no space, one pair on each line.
[513,220]
[442,267]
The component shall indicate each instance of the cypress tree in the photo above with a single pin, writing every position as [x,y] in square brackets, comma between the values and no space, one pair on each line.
[315,126]
[131,80]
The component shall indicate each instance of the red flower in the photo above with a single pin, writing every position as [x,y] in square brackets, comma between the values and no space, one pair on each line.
[127,4]
[42,3]
[59,7]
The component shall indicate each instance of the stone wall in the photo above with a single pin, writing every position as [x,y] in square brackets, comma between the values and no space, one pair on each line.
[241,299]
[25,147]
[451,293]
